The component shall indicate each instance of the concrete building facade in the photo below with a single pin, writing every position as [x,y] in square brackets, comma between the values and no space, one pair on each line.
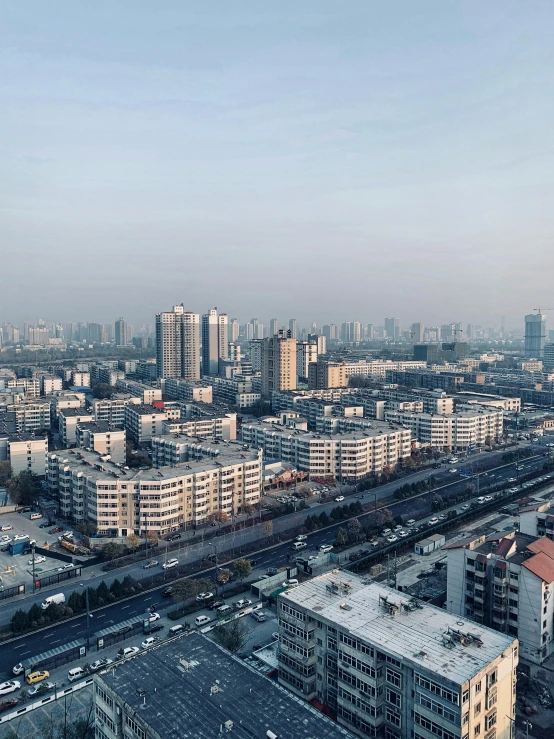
[178,344]
[278,364]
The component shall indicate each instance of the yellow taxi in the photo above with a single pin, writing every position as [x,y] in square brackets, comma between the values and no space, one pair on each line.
[37,677]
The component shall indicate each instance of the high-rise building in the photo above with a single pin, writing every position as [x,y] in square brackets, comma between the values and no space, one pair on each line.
[215,341]
[273,327]
[234,329]
[257,329]
[370,332]
[278,364]
[256,355]
[121,333]
[321,342]
[95,331]
[293,328]
[393,666]
[392,328]
[306,353]
[178,344]
[322,375]
[535,334]
[418,329]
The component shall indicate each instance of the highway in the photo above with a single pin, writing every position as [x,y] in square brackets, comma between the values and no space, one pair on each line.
[277,556]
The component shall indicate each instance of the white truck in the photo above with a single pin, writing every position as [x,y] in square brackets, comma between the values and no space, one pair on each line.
[58,599]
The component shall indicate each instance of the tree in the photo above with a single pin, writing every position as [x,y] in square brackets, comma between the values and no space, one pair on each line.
[19,621]
[112,550]
[102,593]
[34,615]
[152,538]
[102,390]
[132,541]
[324,520]
[76,602]
[219,517]
[248,509]
[223,577]
[116,589]
[341,537]
[232,636]
[268,528]
[354,530]
[87,528]
[5,473]
[241,568]
[129,585]
[24,489]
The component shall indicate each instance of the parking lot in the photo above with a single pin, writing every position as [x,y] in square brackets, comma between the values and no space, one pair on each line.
[17,568]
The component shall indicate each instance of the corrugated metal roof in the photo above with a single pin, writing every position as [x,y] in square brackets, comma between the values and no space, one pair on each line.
[542,545]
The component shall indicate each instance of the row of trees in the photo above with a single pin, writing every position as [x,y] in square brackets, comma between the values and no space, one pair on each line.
[102,595]
[339,513]
[415,488]
[185,590]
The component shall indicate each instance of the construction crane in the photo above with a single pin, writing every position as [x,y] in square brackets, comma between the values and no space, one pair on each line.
[540,310]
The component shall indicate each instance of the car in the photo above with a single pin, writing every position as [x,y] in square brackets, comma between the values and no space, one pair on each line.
[166,593]
[453,470]
[150,642]
[44,525]
[339,498]
[453,460]
[243,603]
[386,532]
[216,604]
[154,617]
[55,530]
[100,663]
[128,651]
[40,689]
[178,628]
[6,527]
[68,566]
[204,596]
[301,537]
[272,571]
[433,521]
[20,537]
[258,616]
[410,522]
[403,533]
[152,563]
[442,517]
[290,582]
[9,686]
[512,479]
[6,705]
[38,560]
[155,627]
[170,563]
[488,498]
[4,547]
[392,538]
[37,677]
[18,669]
[465,508]
[397,529]
[173,537]
[5,539]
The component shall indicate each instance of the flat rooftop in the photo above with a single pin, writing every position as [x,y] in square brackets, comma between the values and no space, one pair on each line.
[199,686]
[414,634]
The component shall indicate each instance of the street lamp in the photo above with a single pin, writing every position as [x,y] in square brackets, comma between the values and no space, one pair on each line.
[33,556]
[82,584]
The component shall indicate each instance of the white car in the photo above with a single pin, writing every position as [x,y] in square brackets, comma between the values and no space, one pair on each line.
[6,527]
[150,642]
[512,479]
[170,563]
[128,651]
[243,603]
[9,687]
[20,537]
[433,521]
[154,617]
[465,507]
[204,596]
[100,663]
[40,688]
[38,560]
[301,537]
[453,470]
[18,669]
[392,538]
[68,566]
[488,498]
[5,539]
[402,533]
[339,498]
[410,522]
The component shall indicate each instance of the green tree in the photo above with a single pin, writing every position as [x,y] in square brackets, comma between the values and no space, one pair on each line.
[129,585]
[112,550]
[102,390]
[341,537]
[24,489]
[116,589]
[354,530]
[241,568]
[5,473]
[102,593]
[76,602]
[19,621]
[232,636]
[324,520]
[35,614]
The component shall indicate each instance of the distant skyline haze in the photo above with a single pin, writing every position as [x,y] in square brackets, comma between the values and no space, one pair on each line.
[318,160]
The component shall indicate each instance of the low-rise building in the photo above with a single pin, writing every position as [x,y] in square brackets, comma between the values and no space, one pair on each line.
[31,415]
[50,384]
[25,452]
[112,410]
[217,427]
[80,379]
[187,391]
[102,438]
[507,404]
[146,393]
[190,687]
[506,581]
[68,418]
[142,422]
[118,501]
[392,666]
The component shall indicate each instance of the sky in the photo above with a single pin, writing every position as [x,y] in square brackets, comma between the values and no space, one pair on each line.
[324,160]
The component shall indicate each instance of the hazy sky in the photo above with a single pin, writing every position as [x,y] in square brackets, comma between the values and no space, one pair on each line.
[323,160]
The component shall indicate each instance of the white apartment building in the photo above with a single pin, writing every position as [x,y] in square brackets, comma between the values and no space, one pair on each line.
[68,418]
[80,379]
[287,399]
[102,438]
[347,457]
[242,393]
[432,401]
[106,374]
[345,424]
[457,432]
[120,501]
[178,344]
[217,427]
[25,453]
[215,340]
[30,386]
[31,415]
[278,364]
[50,384]
[506,581]
[185,391]
[146,393]
[392,666]
[112,410]
[306,354]
[142,422]
[379,367]
[496,401]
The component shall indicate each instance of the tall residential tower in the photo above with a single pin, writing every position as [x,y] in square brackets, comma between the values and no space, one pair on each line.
[178,344]
[215,341]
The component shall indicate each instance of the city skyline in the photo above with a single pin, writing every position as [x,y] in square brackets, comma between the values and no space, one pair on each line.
[393,160]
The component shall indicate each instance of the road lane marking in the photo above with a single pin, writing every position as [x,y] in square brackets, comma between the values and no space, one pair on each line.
[22,653]
[56,642]
[123,607]
[76,626]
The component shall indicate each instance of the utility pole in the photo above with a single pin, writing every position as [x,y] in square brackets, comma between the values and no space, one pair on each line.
[82,584]
[33,555]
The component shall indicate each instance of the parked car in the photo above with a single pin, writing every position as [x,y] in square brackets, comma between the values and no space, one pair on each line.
[154,627]
[402,533]
[38,560]
[166,593]
[204,596]
[258,616]
[5,539]
[272,571]
[339,498]
[433,521]
[152,563]
[410,522]
[301,537]
[170,563]
[290,582]
[9,686]
[392,538]
[173,537]
[40,689]
[6,527]
[243,603]
[100,663]
[37,677]
[150,642]
[177,629]
[68,566]
[6,705]
[20,537]
[154,617]
[128,651]
[465,507]
[216,604]
[18,669]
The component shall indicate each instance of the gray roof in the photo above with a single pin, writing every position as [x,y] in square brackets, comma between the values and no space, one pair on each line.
[188,688]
